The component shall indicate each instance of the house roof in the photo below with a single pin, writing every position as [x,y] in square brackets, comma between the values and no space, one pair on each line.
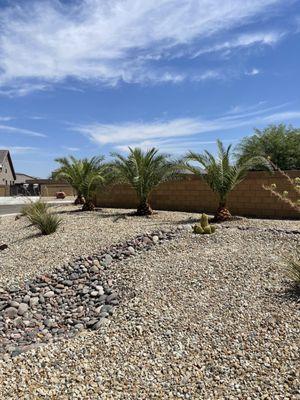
[3,155]
[23,178]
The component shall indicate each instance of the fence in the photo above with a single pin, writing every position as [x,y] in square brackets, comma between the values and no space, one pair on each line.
[50,189]
[4,190]
[193,194]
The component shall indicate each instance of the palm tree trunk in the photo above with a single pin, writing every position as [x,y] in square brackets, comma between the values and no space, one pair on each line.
[79,200]
[88,206]
[144,208]
[222,213]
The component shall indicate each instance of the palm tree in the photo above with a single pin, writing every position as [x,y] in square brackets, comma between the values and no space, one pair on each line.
[84,175]
[143,171]
[220,174]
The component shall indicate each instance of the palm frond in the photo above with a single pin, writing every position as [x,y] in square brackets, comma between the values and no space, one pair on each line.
[220,174]
[143,170]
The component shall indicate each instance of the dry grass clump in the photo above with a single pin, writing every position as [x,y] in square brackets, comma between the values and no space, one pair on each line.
[38,214]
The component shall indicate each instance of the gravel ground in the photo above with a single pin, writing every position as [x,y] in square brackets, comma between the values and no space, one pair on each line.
[202,317]
[80,234]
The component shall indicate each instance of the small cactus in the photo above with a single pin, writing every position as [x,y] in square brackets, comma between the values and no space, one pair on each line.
[204,221]
[203,227]
[198,229]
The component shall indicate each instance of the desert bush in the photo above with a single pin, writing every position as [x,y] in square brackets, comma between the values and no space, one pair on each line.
[38,214]
[293,264]
[46,222]
[32,208]
[294,271]
[284,196]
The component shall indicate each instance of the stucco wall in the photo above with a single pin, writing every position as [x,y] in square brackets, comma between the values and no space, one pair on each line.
[192,194]
[4,190]
[49,190]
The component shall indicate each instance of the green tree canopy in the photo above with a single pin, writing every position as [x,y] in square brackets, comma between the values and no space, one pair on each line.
[279,142]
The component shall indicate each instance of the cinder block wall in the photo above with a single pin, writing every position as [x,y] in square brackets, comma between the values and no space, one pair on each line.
[4,190]
[192,194]
[49,190]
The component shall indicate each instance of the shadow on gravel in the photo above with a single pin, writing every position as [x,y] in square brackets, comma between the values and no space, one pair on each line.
[190,220]
[291,292]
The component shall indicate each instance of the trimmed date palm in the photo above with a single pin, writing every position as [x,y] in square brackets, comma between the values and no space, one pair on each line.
[144,171]
[220,174]
[84,175]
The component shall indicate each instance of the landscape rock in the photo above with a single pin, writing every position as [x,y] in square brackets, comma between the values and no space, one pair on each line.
[23,308]
[75,296]
[49,294]
[11,312]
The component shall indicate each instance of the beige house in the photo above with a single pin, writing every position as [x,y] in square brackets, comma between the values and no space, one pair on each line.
[23,178]
[7,172]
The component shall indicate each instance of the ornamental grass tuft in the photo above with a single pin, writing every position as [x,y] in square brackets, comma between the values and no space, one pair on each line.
[38,214]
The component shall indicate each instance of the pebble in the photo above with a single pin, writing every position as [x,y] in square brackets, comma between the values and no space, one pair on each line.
[33,301]
[10,312]
[70,297]
[49,294]
[23,308]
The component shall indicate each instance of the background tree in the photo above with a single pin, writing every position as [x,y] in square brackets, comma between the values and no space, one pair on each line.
[281,143]
[143,171]
[84,175]
[220,174]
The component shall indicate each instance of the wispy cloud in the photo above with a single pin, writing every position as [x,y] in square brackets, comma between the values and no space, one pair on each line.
[12,129]
[6,118]
[253,72]
[174,146]
[22,89]
[243,40]
[19,149]
[72,149]
[143,133]
[45,41]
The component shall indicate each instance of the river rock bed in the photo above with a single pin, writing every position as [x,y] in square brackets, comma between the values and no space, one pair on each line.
[79,295]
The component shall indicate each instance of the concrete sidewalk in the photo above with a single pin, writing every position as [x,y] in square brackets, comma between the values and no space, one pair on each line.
[13,205]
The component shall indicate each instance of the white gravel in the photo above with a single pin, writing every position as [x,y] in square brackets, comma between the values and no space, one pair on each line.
[80,234]
[203,317]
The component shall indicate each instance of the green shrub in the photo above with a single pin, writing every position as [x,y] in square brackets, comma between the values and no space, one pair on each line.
[294,270]
[30,209]
[47,223]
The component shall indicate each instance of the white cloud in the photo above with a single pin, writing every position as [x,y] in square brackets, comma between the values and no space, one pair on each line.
[7,118]
[144,133]
[282,116]
[243,40]
[253,72]
[12,129]
[71,148]
[19,149]
[171,146]
[49,41]
[22,89]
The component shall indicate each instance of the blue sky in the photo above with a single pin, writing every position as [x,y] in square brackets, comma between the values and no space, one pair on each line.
[87,77]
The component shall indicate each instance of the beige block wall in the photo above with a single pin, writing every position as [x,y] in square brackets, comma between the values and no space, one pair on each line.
[50,190]
[193,194]
[4,191]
